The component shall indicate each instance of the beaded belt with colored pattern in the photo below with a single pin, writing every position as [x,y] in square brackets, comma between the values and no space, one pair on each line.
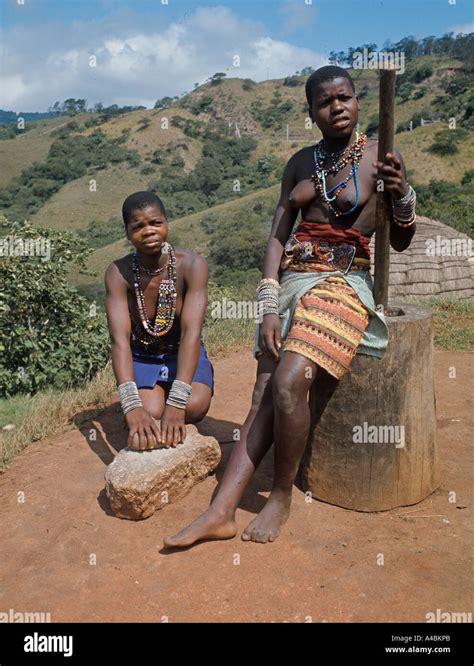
[321,255]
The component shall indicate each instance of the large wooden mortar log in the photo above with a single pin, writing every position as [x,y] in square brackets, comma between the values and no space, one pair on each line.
[360,467]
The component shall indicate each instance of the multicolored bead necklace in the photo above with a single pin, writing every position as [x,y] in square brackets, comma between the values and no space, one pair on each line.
[166,299]
[354,155]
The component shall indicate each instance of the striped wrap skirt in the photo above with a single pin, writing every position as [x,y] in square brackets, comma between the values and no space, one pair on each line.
[328,324]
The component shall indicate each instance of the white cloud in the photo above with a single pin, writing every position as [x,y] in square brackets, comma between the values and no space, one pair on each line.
[281,58]
[466,28]
[70,60]
[296,15]
[44,64]
[13,89]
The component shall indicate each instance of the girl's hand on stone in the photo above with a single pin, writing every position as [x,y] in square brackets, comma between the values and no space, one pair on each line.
[173,428]
[143,430]
[390,172]
[270,336]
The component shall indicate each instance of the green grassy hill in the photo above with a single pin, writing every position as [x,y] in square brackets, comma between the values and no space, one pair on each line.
[425,166]
[232,103]
[171,141]
[75,206]
[31,146]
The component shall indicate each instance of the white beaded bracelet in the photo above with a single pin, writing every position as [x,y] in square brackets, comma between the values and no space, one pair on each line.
[129,396]
[404,209]
[268,297]
[179,394]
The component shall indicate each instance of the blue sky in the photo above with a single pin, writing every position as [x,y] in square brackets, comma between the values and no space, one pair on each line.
[144,49]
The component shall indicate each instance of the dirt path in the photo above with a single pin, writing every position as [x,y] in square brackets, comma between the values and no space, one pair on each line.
[324,566]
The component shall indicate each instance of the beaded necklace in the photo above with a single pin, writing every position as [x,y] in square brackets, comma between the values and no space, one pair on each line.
[151,272]
[337,153]
[165,302]
[354,155]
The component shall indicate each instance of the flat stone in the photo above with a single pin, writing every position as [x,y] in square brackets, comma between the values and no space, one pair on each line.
[138,483]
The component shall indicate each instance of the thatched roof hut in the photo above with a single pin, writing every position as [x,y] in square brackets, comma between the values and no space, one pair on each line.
[439,262]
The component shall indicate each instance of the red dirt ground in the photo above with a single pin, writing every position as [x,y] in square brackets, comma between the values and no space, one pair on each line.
[323,567]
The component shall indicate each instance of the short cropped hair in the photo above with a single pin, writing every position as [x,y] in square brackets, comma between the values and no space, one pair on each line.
[326,73]
[140,200]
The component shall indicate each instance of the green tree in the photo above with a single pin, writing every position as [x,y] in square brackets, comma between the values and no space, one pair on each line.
[50,336]
[446,141]
[208,175]
[163,102]
[406,91]
[217,78]
[248,84]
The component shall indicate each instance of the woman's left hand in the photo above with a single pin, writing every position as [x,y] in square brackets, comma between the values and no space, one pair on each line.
[390,172]
[173,428]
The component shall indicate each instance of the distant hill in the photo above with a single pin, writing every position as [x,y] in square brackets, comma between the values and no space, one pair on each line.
[12,116]
[273,112]
[30,146]
[171,150]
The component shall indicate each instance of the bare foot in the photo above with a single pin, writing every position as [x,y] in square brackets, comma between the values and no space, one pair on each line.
[209,525]
[267,525]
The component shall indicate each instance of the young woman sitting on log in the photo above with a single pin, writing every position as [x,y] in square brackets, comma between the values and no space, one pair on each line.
[316,298]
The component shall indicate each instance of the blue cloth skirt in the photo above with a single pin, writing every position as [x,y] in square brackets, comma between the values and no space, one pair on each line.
[148,369]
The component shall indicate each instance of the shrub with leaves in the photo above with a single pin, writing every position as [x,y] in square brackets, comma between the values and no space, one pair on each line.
[448,202]
[99,233]
[237,241]
[248,85]
[50,335]
[274,115]
[293,81]
[446,141]
[224,160]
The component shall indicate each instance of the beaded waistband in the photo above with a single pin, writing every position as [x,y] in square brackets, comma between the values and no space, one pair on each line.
[143,346]
[138,352]
[322,255]
[337,233]
[310,266]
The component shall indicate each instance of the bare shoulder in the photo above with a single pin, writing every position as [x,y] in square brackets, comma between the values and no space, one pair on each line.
[119,270]
[372,146]
[297,167]
[124,262]
[190,261]
[302,155]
